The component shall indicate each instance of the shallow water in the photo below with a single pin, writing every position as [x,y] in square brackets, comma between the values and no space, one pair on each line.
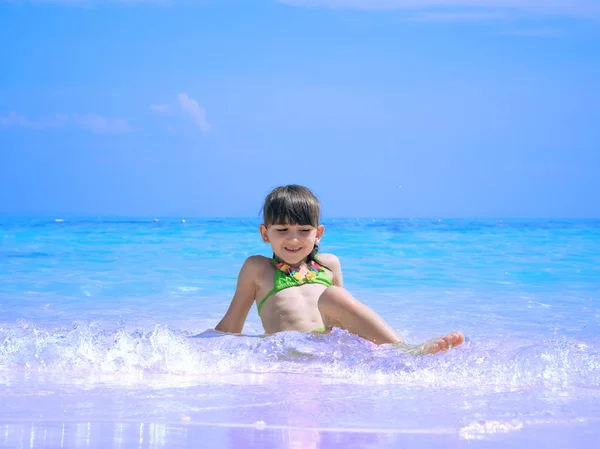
[99,344]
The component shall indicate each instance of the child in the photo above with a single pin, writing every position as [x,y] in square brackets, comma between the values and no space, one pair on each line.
[298,290]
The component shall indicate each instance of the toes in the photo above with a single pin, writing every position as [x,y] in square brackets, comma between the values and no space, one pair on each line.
[443,344]
[457,338]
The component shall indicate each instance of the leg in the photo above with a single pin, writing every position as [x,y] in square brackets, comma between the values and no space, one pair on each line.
[340,309]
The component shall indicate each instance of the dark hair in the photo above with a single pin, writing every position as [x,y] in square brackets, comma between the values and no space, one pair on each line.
[293,205]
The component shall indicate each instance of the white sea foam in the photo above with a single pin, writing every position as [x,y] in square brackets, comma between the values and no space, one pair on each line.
[341,357]
[189,289]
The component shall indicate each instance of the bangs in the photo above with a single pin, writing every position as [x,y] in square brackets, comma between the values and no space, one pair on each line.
[291,205]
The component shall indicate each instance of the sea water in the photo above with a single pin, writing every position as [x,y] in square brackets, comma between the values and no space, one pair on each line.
[102,340]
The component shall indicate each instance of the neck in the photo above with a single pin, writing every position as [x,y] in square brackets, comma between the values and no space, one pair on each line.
[293,265]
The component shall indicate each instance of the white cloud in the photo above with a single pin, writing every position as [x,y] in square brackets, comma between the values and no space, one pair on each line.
[571,8]
[15,120]
[92,122]
[100,124]
[160,108]
[193,111]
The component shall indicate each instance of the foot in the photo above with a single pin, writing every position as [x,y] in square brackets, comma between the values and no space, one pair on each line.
[442,344]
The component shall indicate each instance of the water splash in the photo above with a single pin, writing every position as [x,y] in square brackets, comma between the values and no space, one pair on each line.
[89,348]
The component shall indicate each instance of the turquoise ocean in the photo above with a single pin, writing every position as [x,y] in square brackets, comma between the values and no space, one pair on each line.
[102,340]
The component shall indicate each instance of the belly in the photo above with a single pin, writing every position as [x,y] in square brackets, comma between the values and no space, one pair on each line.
[295,308]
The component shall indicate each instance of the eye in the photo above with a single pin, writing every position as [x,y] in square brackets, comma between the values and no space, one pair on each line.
[305,230]
[282,230]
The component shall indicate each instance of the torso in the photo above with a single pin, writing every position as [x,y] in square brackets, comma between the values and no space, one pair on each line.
[294,308]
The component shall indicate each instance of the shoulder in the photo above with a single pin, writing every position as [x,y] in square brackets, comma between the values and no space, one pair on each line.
[255,271]
[332,263]
[257,262]
[331,260]
[258,266]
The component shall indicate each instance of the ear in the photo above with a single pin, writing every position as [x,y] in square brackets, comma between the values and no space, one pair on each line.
[320,231]
[263,233]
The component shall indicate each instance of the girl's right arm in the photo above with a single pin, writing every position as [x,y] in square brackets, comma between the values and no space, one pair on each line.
[245,292]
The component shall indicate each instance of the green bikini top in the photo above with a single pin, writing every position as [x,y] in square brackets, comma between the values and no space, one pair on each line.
[285,277]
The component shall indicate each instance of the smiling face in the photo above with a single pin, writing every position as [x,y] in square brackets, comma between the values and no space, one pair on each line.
[291,243]
[291,223]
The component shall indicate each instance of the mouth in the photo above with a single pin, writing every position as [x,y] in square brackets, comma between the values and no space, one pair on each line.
[291,250]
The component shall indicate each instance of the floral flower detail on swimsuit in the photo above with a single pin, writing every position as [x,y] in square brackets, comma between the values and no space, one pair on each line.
[310,275]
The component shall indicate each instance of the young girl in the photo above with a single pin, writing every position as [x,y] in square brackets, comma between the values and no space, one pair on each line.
[298,290]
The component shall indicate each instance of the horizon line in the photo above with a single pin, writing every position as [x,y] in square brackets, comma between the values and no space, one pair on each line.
[154,218]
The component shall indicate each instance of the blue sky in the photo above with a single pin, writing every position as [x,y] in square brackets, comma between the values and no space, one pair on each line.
[476,108]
